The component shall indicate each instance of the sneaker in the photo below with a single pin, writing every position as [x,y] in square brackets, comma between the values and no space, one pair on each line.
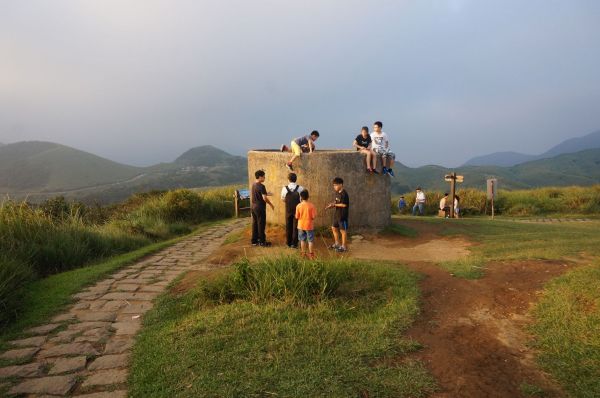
[384,171]
[284,148]
[374,171]
[391,172]
[265,244]
[335,246]
[254,243]
[341,249]
[369,171]
[289,166]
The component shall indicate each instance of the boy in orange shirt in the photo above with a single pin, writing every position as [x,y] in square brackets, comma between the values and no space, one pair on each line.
[305,214]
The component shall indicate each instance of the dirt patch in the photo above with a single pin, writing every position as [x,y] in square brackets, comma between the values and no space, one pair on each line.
[395,249]
[474,331]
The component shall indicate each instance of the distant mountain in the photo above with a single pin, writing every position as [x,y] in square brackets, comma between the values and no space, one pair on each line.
[41,169]
[508,159]
[580,168]
[46,166]
[577,144]
[504,159]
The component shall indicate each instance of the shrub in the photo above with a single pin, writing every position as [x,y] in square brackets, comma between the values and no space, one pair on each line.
[13,275]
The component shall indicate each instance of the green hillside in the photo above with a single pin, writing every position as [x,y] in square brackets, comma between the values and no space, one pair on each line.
[581,168]
[45,166]
[38,170]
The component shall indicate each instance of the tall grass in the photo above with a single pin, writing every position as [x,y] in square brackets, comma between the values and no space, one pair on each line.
[531,202]
[37,241]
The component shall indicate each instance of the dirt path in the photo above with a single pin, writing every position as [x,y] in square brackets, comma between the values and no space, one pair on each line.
[474,331]
[85,351]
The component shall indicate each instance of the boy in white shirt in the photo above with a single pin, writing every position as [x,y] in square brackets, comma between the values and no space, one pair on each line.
[381,146]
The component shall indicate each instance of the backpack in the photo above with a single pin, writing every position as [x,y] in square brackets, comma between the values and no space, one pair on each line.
[292,199]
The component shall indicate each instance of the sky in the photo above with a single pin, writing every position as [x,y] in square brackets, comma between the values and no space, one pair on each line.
[140,82]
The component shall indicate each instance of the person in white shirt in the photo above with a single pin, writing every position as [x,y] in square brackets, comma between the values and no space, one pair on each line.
[381,146]
[444,206]
[456,206]
[419,202]
[290,194]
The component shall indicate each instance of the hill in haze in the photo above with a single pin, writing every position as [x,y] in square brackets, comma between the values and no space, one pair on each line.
[41,169]
[580,168]
[38,170]
[508,159]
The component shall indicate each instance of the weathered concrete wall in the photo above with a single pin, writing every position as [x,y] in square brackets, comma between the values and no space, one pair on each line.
[370,195]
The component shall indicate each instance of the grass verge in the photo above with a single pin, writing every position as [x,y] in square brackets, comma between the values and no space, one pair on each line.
[401,230]
[284,327]
[567,321]
[43,298]
[471,267]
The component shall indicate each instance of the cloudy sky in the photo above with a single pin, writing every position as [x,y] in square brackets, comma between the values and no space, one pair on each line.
[141,81]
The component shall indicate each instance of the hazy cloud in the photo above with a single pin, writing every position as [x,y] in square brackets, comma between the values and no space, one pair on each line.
[142,81]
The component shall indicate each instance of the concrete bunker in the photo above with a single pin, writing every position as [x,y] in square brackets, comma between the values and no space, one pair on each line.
[370,195]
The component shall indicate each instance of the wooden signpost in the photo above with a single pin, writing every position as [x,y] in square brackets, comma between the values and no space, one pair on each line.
[452,178]
[238,197]
[492,187]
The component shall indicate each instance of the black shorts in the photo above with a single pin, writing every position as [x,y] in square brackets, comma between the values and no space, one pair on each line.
[340,224]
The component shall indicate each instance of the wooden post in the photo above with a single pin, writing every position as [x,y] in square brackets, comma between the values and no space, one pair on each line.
[236,203]
[493,194]
[452,193]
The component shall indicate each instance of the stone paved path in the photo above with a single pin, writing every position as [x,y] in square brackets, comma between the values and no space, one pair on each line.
[85,351]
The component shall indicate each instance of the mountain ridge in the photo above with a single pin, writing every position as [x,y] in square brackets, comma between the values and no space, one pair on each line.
[509,158]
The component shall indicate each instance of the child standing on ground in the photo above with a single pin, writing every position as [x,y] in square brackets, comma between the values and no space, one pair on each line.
[260,199]
[290,194]
[419,202]
[300,144]
[340,217]
[305,214]
[362,143]
[381,146]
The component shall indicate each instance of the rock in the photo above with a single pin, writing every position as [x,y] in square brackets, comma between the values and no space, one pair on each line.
[30,342]
[152,288]
[29,370]
[126,328]
[20,353]
[66,336]
[71,349]
[114,305]
[63,318]
[105,378]
[110,362]
[44,329]
[88,325]
[68,365]
[357,237]
[93,316]
[118,346]
[54,385]
[108,394]
[126,287]
[137,308]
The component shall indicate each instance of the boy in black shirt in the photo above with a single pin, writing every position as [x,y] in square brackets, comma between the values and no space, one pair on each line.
[362,143]
[340,217]
[260,199]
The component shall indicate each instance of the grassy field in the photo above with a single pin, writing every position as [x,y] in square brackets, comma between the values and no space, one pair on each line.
[567,317]
[58,236]
[566,330]
[550,201]
[284,327]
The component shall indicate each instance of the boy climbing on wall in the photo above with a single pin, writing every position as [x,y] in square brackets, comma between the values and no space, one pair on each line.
[290,194]
[381,146]
[305,214]
[299,145]
[340,216]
